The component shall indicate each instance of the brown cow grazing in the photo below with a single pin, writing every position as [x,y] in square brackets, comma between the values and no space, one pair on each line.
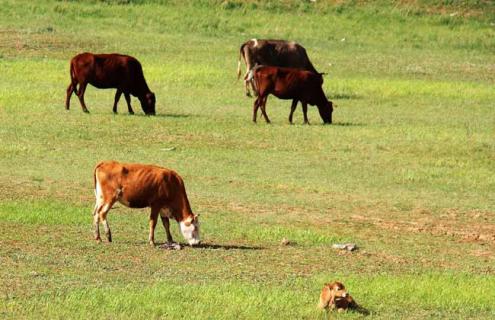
[110,71]
[278,53]
[290,83]
[141,186]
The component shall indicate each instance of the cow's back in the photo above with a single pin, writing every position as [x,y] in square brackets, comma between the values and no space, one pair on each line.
[140,185]
[280,53]
[108,70]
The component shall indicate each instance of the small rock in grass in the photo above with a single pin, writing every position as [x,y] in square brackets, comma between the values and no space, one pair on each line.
[285,242]
[345,246]
[171,246]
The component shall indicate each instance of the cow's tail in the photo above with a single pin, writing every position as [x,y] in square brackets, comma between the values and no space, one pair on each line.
[241,55]
[94,176]
[73,80]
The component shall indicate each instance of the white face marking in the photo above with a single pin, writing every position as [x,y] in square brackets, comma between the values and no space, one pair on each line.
[190,232]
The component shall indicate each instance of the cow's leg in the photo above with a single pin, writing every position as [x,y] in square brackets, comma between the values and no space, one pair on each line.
[263,111]
[101,216]
[117,98]
[70,90]
[96,223]
[82,89]
[256,105]
[292,109]
[104,220]
[305,112]
[166,225]
[246,82]
[246,85]
[153,220]
[128,100]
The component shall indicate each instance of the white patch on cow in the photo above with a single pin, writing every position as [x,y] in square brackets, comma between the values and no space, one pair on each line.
[98,190]
[105,208]
[255,42]
[105,224]
[190,232]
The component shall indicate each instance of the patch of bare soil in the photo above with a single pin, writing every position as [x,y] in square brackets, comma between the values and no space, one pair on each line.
[450,224]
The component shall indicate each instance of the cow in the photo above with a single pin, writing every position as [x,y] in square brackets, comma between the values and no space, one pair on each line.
[141,186]
[335,296]
[110,71]
[278,53]
[290,83]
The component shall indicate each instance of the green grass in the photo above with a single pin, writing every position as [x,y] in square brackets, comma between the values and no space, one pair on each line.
[406,171]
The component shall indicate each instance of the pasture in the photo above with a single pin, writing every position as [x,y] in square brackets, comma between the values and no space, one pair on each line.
[407,170]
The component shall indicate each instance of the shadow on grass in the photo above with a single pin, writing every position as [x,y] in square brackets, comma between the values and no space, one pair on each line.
[225,247]
[165,115]
[343,96]
[348,124]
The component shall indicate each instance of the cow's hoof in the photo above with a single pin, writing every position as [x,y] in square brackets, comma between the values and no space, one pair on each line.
[131,112]
[86,111]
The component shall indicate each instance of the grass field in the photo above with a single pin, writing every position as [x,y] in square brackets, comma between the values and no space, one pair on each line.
[407,171]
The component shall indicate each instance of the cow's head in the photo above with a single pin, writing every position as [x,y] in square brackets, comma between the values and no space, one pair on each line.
[190,229]
[148,103]
[326,111]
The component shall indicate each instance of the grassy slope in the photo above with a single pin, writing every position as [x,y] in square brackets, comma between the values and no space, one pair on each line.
[407,172]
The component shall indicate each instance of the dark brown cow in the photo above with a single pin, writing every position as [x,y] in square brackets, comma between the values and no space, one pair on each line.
[278,53]
[290,83]
[141,186]
[110,71]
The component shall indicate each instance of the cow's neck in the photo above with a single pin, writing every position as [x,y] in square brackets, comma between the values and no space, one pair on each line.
[182,210]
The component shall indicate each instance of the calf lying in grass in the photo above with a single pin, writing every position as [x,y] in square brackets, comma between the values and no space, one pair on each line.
[335,296]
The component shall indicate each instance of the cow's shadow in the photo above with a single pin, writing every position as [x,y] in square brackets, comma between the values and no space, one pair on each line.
[212,246]
[348,124]
[165,115]
[225,247]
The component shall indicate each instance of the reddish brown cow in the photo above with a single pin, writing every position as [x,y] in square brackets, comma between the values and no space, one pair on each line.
[141,186]
[279,53]
[110,71]
[290,83]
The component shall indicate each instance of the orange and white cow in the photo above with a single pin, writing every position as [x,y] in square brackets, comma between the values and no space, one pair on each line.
[140,186]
